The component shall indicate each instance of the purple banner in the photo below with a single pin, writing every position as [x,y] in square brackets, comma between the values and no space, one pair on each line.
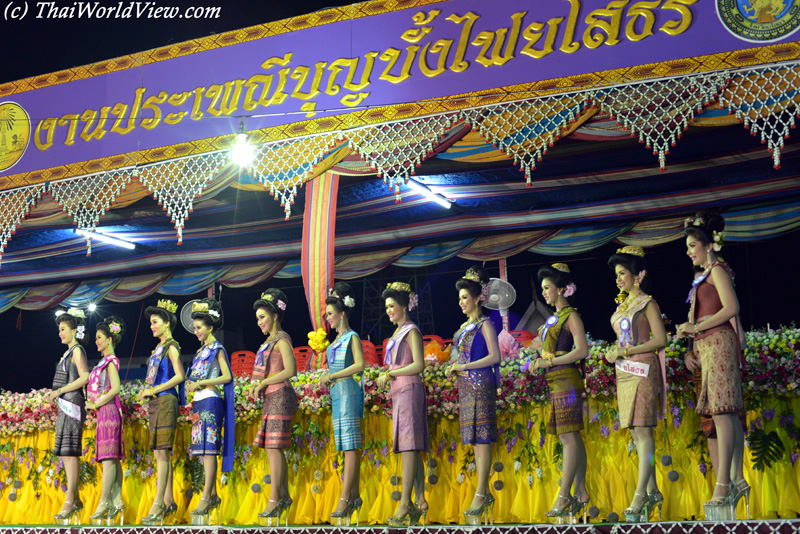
[429,52]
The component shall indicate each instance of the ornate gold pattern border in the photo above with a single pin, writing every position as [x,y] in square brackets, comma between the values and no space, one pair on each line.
[302,22]
[715,62]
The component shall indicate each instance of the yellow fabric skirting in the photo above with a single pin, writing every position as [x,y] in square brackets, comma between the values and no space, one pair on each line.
[611,477]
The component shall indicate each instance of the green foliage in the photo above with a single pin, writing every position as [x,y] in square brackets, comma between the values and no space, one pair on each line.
[766,448]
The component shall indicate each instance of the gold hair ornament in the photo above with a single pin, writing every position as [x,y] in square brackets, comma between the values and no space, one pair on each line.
[168,305]
[632,250]
[560,267]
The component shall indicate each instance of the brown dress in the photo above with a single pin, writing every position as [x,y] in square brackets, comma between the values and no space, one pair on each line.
[280,400]
[564,382]
[639,397]
[718,348]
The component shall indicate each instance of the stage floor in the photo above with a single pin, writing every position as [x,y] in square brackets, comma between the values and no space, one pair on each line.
[777,526]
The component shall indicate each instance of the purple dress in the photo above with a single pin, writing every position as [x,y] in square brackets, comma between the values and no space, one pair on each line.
[409,407]
[109,444]
[477,388]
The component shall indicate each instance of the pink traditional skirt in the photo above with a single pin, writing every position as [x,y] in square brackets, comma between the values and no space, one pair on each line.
[109,444]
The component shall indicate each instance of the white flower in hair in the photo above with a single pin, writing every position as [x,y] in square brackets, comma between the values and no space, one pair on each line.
[349,301]
[81,332]
[214,314]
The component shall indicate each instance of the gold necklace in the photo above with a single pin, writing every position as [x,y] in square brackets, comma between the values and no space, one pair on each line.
[629,300]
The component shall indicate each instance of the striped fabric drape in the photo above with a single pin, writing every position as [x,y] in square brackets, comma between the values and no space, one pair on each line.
[319,231]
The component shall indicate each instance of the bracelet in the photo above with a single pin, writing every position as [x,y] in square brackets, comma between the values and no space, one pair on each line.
[626,352]
[59,392]
[551,362]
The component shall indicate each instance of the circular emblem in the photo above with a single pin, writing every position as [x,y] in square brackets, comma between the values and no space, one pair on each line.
[625,324]
[553,319]
[15,134]
[470,327]
[159,350]
[390,345]
[760,21]
[204,354]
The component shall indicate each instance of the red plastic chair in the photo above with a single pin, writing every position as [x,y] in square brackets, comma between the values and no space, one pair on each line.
[521,336]
[379,351]
[370,354]
[304,355]
[242,363]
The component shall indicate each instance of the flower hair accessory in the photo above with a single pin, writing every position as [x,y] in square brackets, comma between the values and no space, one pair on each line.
[632,250]
[570,290]
[77,313]
[348,301]
[214,314]
[115,327]
[718,241]
[641,276]
[413,301]
[81,331]
[271,298]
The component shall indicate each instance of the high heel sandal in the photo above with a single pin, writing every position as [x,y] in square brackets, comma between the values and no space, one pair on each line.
[100,517]
[741,489]
[202,517]
[472,516]
[638,514]
[420,513]
[580,504]
[721,508]
[273,517]
[116,509]
[656,499]
[405,519]
[561,515]
[157,517]
[342,517]
[357,503]
[70,516]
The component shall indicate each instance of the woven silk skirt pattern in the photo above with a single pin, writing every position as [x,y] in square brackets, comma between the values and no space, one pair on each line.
[208,418]
[721,386]
[348,407]
[410,419]
[109,444]
[566,400]
[477,405]
[69,435]
[163,416]
[279,408]
[639,398]
[706,421]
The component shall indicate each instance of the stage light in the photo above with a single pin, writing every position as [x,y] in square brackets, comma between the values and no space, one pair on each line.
[242,152]
[106,239]
[92,307]
[426,191]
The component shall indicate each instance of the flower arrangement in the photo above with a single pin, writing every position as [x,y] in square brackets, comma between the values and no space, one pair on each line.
[772,368]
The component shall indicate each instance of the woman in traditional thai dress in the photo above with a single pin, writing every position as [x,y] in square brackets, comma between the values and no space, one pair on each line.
[211,411]
[72,373]
[562,344]
[103,392]
[163,385]
[706,421]
[640,370]
[713,304]
[405,356]
[274,368]
[478,379]
[345,359]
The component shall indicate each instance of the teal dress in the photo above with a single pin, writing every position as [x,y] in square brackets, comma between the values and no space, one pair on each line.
[347,397]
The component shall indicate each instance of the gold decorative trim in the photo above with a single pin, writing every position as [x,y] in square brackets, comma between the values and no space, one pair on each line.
[139,59]
[714,62]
